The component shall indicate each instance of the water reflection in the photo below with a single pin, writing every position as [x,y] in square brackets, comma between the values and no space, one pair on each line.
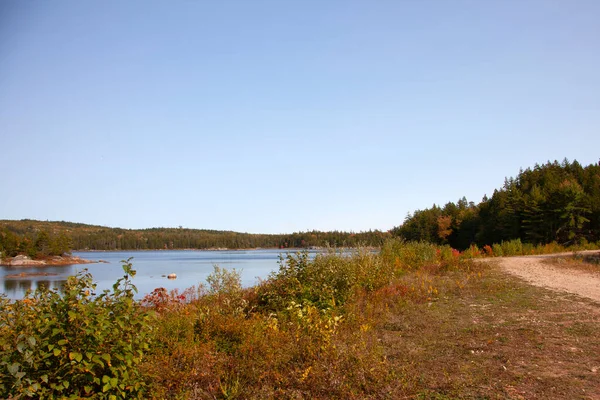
[16,281]
[24,285]
[17,287]
[192,267]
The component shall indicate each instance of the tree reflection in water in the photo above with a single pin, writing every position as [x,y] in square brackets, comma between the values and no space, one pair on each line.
[15,287]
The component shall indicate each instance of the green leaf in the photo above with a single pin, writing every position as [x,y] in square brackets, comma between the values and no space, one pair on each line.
[44,378]
[114,382]
[105,379]
[31,341]
[66,384]
[56,352]
[105,387]
[13,368]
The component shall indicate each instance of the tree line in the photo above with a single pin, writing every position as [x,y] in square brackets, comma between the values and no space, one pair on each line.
[553,202]
[37,238]
[38,245]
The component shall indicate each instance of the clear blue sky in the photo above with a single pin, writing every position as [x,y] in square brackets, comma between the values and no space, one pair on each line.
[281,116]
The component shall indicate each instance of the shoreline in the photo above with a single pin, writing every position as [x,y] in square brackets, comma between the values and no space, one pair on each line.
[285,249]
[193,249]
[25,261]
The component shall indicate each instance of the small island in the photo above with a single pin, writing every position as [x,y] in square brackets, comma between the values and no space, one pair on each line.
[37,247]
[26,261]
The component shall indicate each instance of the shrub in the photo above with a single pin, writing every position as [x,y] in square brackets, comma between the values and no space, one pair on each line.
[497,249]
[512,247]
[472,252]
[328,281]
[549,248]
[224,282]
[487,249]
[74,345]
[409,256]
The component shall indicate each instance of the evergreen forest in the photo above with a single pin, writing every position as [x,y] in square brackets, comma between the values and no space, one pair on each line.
[553,202]
[47,238]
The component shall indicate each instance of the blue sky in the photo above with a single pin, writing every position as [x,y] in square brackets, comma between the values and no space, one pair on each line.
[281,116]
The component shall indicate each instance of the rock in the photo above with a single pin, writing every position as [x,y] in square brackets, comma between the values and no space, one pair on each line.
[24,260]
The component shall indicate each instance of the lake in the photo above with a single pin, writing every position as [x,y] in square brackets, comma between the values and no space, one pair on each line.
[191,266]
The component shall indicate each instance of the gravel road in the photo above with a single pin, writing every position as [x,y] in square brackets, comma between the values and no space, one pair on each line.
[533,270]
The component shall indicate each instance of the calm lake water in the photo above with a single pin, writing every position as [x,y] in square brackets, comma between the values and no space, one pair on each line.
[191,266]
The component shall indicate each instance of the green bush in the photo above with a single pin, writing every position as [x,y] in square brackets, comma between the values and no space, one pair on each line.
[76,344]
[325,282]
[512,247]
[412,256]
[409,256]
[223,281]
[497,249]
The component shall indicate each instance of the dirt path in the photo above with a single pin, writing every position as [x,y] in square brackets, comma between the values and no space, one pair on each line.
[533,270]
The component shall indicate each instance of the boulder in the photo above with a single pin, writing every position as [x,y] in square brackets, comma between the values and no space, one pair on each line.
[21,260]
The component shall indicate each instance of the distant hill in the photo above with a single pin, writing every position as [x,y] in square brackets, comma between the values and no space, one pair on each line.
[23,236]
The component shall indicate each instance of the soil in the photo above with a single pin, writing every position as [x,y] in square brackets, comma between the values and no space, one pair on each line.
[536,271]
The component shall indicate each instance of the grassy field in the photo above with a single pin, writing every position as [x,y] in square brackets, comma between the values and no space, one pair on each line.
[578,262]
[496,338]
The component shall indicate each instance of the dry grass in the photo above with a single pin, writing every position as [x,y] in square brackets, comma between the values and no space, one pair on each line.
[496,338]
[450,329]
[586,262]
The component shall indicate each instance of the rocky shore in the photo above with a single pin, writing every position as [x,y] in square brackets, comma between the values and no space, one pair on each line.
[25,261]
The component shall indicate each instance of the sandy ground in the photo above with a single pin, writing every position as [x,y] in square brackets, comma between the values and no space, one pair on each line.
[533,270]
